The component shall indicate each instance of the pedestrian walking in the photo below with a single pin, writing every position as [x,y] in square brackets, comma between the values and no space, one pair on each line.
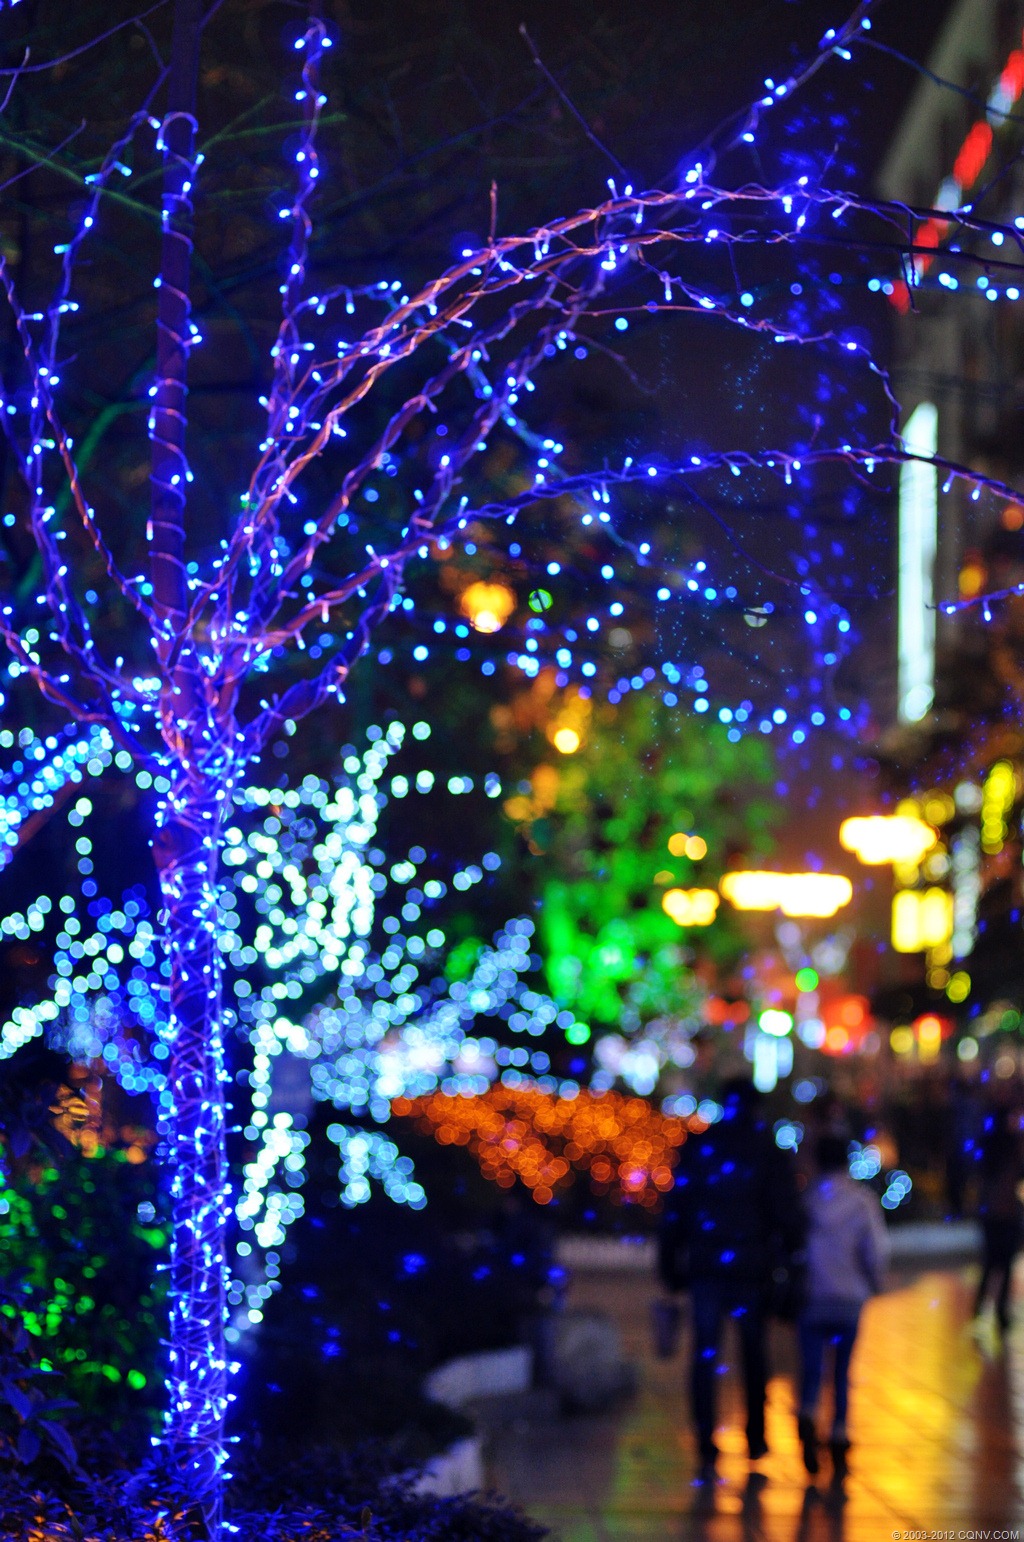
[847,1251]
[732,1217]
[999,1156]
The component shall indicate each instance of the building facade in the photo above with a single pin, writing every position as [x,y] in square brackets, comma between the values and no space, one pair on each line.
[955,743]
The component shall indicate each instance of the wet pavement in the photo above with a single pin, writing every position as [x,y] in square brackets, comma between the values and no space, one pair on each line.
[936,1421]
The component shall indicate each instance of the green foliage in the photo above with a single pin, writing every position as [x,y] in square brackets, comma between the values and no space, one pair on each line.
[644,774]
[30,1426]
[462,959]
[81,1245]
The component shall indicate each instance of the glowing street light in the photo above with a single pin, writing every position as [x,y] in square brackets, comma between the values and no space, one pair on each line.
[487,606]
[690,907]
[878,838]
[795,894]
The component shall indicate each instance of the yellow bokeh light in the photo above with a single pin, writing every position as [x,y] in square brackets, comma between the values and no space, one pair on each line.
[939,808]
[683,845]
[878,838]
[569,721]
[921,919]
[959,987]
[998,795]
[902,1040]
[795,894]
[487,606]
[929,1036]
[690,907]
[971,580]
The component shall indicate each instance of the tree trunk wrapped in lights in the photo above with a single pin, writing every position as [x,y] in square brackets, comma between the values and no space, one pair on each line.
[192,1125]
[209,622]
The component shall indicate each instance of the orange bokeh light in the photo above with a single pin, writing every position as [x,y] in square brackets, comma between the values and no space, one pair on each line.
[627,1148]
[847,1021]
[487,606]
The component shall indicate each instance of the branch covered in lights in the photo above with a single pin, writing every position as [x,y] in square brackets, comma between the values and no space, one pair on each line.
[238,629]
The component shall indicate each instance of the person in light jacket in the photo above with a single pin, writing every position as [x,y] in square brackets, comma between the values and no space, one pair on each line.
[847,1252]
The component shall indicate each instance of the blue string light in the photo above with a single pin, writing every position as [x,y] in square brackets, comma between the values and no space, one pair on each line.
[304,860]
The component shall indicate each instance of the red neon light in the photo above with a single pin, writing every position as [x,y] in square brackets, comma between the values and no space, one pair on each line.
[967,168]
[974,152]
[930,234]
[1011,81]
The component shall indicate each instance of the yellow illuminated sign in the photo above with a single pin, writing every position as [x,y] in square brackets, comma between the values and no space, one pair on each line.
[878,838]
[921,919]
[795,894]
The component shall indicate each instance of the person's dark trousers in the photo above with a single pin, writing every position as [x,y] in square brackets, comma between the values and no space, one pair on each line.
[1002,1243]
[840,1333]
[713,1301]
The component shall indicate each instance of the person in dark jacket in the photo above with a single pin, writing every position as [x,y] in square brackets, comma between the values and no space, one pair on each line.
[1001,1168]
[732,1217]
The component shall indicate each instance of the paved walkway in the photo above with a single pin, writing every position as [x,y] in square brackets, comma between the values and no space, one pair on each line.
[937,1420]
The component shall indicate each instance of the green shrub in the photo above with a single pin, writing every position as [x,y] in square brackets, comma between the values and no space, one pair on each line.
[81,1244]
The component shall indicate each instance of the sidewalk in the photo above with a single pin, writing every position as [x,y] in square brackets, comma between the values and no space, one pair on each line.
[937,1421]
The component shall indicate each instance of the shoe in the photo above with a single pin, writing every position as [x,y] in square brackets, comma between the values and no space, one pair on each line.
[757,1447]
[809,1441]
[839,1450]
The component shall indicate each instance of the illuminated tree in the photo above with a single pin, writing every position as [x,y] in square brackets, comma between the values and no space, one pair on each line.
[636,807]
[234,625]
[332,957]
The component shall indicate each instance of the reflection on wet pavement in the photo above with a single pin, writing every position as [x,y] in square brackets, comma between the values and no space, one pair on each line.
[937,1423]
